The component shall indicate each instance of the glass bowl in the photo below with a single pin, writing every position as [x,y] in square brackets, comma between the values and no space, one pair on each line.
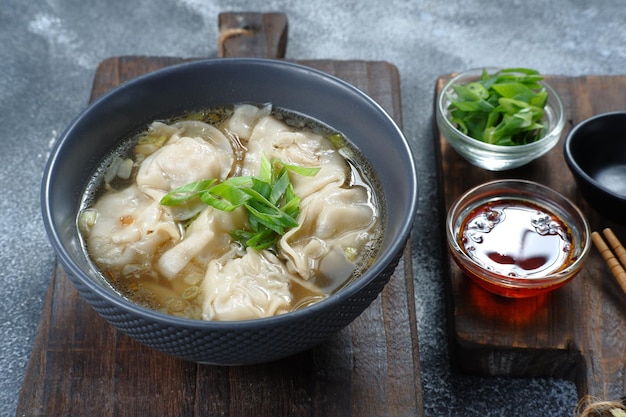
[517,238]
[498,157]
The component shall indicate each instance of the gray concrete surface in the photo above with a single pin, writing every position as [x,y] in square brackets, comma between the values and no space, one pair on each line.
[49,50]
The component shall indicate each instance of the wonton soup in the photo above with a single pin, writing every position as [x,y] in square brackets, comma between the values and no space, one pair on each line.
[234,213]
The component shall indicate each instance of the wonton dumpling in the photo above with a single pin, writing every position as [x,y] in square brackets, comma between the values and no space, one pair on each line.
[244,117]
[253,286]
[206,238]
[129,228]
[275,139]
[211,134]
[185,159]
[330,221]
[156,130]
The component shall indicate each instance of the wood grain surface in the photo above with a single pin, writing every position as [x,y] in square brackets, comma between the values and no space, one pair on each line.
[81,366]
[577,332]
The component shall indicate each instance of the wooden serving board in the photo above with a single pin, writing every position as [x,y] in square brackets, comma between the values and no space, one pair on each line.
[82,366]
[577,332]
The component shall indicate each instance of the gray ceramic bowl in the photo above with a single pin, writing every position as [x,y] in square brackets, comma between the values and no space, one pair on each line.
[595,152]
[208,83]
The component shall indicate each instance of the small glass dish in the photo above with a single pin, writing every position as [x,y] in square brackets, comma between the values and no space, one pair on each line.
[517,238]
[498,157]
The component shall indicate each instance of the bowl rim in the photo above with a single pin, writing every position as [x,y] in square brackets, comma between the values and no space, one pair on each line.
[559,111]
[575,166]
[495,277]
[396,246]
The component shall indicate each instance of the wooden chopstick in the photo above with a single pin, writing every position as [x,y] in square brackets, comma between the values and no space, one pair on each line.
[611,260]
[616,245]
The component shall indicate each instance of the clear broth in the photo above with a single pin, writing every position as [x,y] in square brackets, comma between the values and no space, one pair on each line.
[180,297]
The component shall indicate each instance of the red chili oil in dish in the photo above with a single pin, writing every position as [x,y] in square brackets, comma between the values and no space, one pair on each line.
[517,240]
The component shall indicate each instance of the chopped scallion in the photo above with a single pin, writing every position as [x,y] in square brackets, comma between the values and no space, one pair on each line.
[504,108]
[269,200]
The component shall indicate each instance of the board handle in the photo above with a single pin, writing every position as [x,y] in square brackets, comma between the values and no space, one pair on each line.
[249,34]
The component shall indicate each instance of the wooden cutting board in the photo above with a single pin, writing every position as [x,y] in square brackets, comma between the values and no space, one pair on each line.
[577,332]
[81,366]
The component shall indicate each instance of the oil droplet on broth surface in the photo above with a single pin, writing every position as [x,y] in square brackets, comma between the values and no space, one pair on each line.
[516,238]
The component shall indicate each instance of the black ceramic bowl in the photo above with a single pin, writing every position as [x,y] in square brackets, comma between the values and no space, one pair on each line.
[595,151]
[205,84]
